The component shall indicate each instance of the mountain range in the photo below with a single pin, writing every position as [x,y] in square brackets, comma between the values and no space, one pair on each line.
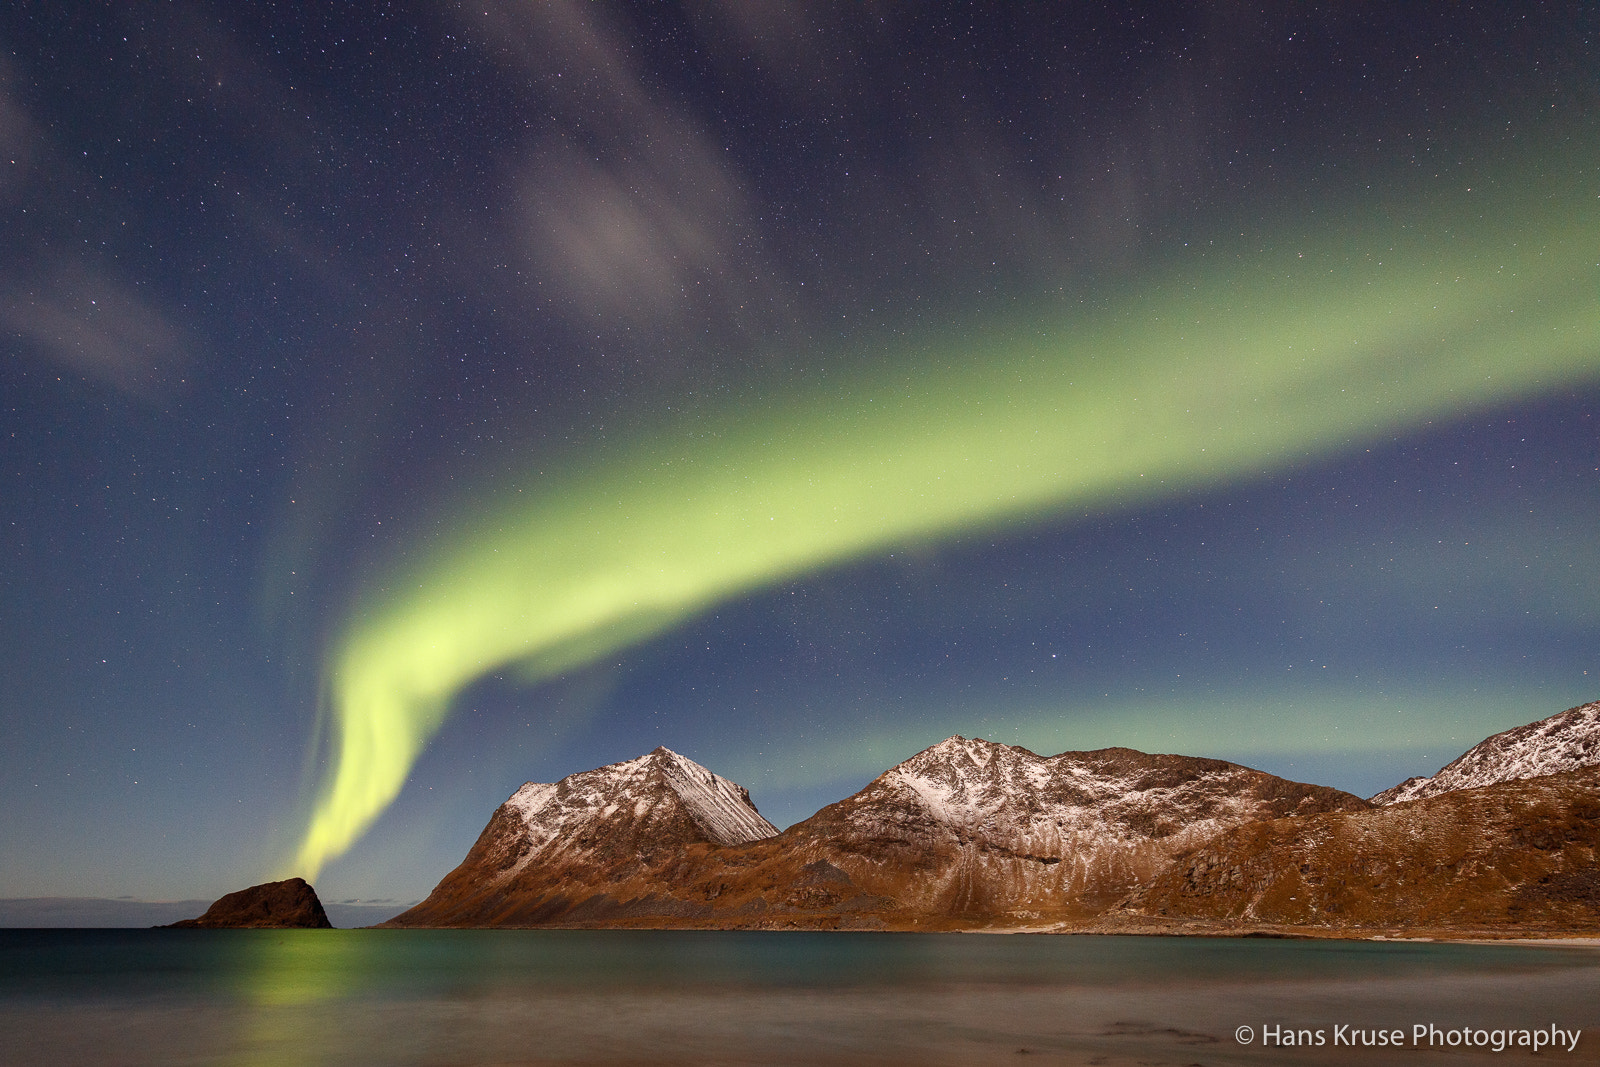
[971,834]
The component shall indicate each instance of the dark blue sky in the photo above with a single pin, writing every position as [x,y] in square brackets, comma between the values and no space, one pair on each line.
[295,304]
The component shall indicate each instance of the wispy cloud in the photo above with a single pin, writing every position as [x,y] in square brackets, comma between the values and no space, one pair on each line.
[631,211]
[64,306]
[96,325]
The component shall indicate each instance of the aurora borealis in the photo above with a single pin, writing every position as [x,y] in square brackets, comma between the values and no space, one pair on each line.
[1299,363]
[790,386]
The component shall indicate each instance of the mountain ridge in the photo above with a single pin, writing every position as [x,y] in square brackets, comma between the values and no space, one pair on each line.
[965,828]
[1563,742]
[974,834]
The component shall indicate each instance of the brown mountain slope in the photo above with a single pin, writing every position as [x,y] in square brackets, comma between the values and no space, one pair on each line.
[1520,853]
[551,847]
[967,833]
[972,832]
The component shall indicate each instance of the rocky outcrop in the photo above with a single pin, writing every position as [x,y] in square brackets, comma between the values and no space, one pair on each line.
[290,904]
[1563,742]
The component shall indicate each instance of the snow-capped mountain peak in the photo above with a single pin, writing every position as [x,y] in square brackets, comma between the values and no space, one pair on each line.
[722,808]
[719,808]
[1075,812]
[1563,742]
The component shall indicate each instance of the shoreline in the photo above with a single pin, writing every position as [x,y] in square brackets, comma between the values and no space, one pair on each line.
[1381,935]
[1390,935]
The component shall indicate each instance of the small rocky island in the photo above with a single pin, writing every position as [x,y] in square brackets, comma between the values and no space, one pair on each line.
[287,905]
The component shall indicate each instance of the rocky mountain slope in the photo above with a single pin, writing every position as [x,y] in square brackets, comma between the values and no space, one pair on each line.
[974,831]
[970,834]
[966,832]
[1523,853]
[568,841]
[1563,742]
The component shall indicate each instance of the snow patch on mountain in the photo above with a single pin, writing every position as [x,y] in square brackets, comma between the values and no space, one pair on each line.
[531,799]
[1563,742]
[721,808]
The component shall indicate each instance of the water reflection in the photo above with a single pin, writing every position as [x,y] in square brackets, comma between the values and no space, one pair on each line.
[280,975]
[291,998]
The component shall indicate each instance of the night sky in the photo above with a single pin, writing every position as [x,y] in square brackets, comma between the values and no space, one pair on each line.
[402,402]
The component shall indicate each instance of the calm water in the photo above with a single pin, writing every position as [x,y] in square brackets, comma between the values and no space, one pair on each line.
[580,997]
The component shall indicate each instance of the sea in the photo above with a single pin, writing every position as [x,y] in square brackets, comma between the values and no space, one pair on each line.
[457,997]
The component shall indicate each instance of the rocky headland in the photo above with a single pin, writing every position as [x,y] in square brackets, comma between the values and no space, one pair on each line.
[289,904]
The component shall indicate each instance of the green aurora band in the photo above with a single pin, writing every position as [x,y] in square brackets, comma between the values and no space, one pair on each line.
[1227,366]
